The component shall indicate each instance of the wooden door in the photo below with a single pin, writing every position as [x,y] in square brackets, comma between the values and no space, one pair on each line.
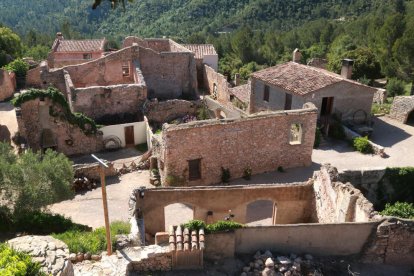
[129,136]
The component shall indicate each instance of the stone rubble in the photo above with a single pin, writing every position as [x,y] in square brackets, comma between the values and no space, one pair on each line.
[268,264]
[52,254]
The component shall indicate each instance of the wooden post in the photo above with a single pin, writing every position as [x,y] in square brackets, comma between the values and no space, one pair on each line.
[105,204]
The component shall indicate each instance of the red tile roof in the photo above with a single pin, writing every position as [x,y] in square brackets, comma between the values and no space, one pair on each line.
[87,45]
[201,50]
[242,92]
[301,79]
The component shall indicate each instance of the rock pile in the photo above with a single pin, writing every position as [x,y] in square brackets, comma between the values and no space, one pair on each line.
[52,254]
[81,184]
[267,264]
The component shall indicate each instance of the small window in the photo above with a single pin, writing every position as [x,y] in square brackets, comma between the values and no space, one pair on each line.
[125,70]
[87,56]
[266,94]
[194,167]
[295,134]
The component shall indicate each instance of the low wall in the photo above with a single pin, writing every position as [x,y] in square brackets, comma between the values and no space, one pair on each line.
[92,171]
[350,135]
[220,246]
[140,132]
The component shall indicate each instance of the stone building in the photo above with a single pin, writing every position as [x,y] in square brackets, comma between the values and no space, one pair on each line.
[7,84]
[204,54]
[70,52]
[290,85]
[196,153]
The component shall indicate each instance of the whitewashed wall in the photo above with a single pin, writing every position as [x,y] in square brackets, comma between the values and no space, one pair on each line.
[140,132]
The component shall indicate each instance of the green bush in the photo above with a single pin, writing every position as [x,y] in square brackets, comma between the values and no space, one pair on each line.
[399,209]
[247,173]
[362,145]
[219,226]
[202,114]
[93,242]
[174,181]
[18,66]
[142,147]
[318,135]
[14,263]
[395,87]
[225,175]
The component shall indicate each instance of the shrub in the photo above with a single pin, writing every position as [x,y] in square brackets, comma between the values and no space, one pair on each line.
[202,114]
[225,175]
[175,181]
[142,147]
[280,169]
[247,173]
[362,145]
[14,263]
[18,66]
[219,226]
[381,108]
[395,87]
[399,209]
[93,242]
[318,135]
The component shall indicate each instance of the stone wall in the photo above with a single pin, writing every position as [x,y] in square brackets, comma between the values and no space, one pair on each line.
[33,77]
[92,171]
[392,243]
[380,96]
[7,84]
[152,258]
[260,142]
[336,202]
[217,85]
[69,139]
[162,112]
[401,107]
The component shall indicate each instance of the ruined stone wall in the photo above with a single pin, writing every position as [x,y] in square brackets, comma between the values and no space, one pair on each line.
[392,243]
[216,82]
[69,139]
[33,78]
[92,171]
[61,59]
[380,96]
[337,202]
[153,258]
[260,142]
[98,101]
[163,112]
[401,107]
[7,84]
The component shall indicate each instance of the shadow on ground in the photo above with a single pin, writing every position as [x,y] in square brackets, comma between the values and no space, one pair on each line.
[387,135]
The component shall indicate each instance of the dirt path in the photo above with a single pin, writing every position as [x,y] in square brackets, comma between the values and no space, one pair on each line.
[8,121]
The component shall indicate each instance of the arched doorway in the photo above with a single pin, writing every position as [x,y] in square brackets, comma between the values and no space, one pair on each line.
[410,118]
[261,213]
[177,213]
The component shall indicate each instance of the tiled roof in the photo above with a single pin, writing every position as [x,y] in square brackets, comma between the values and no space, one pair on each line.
[242,92]
[87,45]
[301,79]
[201,50]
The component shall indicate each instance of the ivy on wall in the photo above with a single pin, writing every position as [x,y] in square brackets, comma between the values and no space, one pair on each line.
[86,124]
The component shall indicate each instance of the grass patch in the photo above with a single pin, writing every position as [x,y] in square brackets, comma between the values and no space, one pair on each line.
[381,108]
[142,147]
[93,242]
[362,145]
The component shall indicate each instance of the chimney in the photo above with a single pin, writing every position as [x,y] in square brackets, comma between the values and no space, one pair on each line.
[346,71]
[297,55]
[237,79]
[59,36]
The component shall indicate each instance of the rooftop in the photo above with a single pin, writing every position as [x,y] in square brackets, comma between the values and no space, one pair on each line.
[86,45]
[301,79]
[201,50]
[242,92]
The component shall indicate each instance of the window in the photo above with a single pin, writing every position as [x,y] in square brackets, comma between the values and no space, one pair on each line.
[288,102]
[266,94]
[125,69]
[295,134]
[194,167]
[87,56]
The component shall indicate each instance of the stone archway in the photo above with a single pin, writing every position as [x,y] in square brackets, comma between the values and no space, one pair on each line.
[410,118]
[261,212]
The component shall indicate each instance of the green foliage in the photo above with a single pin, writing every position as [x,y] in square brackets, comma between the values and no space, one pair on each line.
[32,181]
[93,242]
[247,173]
[10,44]
[142,147]
[202,114]
[399,209]
[38,52]
[381,108]
[86,124]
[174,181]
[280,169]
[18,66]
[14,263]
[362,145]
[396,185]
[318,136]
[219,226]
[225,175]
[395,87]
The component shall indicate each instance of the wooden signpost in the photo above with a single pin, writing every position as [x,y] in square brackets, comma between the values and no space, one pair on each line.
[105,204]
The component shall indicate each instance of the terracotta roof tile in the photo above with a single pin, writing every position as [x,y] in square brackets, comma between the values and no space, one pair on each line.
[201,50]
[242,92]
[87,45]
[301,79]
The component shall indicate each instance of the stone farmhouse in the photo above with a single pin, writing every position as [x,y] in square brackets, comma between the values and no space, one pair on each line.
[70,52]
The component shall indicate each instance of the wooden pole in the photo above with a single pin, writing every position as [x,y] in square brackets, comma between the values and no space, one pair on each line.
[105,205]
